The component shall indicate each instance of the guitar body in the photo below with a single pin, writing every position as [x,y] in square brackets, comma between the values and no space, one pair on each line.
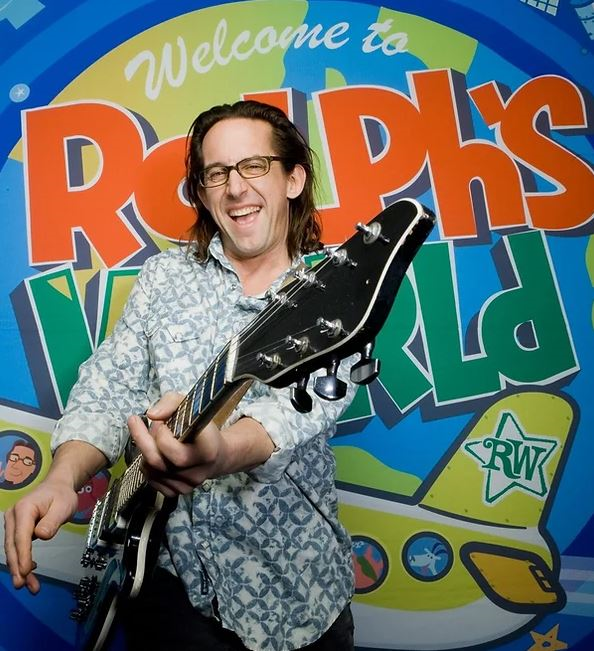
[121,567]
[324,315]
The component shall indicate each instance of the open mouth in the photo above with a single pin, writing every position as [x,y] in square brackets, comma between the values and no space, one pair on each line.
[244,215]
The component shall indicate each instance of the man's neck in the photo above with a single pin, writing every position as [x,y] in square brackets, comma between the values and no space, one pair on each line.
[257,274]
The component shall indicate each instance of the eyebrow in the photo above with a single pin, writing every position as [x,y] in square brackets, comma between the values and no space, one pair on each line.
[218,164]
[19,456]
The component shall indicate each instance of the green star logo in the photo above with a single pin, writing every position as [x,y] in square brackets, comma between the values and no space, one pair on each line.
[512,459]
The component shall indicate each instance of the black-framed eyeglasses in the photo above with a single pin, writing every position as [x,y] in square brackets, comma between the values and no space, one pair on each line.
[248,168]
[14,457]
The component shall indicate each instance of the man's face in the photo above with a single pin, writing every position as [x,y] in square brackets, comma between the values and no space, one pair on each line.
[252,214]
[21,463]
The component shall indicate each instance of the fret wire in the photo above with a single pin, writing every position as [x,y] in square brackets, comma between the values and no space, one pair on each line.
[176,424]
[197,400]
[187,413]
[207,388]
[213,378]
[188,408]
[179,420]
[220,372]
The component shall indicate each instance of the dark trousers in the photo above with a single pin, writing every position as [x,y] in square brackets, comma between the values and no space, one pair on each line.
[163,619]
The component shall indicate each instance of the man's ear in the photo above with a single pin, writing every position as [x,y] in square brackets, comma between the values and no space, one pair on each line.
[295,182]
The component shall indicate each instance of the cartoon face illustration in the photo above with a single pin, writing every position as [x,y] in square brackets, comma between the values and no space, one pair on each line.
[21,462]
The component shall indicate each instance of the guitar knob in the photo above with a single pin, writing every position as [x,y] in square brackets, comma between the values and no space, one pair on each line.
[329,386]
[88,558]
[84,594]
[77,614]
[100,563]
[300,399]
[367,368]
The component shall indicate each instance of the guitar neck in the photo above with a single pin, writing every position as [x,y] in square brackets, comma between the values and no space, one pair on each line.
[207,397]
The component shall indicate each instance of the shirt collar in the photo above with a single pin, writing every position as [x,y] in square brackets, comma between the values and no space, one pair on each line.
[216,251]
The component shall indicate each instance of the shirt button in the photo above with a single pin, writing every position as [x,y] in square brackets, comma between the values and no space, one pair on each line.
[206,485]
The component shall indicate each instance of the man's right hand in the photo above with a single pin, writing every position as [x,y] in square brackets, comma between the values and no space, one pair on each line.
[46,508]
[37,515]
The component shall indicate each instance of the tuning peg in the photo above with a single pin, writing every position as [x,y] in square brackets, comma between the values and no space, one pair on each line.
[329,386]
[367,368]
[309,278]
[372,232]
[339,257]
[300,399]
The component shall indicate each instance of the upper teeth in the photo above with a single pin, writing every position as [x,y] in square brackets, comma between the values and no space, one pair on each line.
[240,212]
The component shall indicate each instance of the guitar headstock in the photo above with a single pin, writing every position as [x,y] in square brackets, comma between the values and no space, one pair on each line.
[335,308]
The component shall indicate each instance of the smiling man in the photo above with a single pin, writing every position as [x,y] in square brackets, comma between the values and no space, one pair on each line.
[254,556]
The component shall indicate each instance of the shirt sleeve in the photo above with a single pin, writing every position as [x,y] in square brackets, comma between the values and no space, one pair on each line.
[113,383]
[287,427]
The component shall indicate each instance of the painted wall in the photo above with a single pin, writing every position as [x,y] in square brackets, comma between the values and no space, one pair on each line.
[465,470]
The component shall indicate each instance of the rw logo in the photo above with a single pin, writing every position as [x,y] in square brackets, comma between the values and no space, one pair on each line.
[512,459]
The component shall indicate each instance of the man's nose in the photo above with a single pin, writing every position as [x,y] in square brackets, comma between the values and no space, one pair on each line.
[236,184]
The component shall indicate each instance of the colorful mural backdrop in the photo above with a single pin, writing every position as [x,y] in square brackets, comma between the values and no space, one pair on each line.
[464,470]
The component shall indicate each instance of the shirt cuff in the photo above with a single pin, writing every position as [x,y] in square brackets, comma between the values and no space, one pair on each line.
[268,414]
[99,430]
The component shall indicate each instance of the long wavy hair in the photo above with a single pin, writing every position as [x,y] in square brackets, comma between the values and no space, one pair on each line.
[304,229]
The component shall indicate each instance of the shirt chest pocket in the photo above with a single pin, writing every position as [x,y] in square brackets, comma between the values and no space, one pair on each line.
[181,332]
[180,351]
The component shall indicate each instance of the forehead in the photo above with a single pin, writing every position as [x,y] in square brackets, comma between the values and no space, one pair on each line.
[233,139]
[23,451]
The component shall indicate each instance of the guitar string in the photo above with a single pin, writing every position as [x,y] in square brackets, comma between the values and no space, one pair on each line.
[261,321]
[253,327]
[273,309]
[133,477]
[269,312]
[134,469]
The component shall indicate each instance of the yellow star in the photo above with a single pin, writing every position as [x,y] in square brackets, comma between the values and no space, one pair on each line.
[548,641]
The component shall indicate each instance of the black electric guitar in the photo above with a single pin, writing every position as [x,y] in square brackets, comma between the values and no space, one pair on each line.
[326,313]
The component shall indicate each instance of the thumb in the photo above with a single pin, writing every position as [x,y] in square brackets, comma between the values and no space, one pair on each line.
[48,525]
[46,528]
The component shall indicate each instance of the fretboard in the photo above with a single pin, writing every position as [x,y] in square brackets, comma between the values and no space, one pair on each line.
[201,397]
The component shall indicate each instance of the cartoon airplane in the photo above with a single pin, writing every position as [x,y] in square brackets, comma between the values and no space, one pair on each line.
[467,559]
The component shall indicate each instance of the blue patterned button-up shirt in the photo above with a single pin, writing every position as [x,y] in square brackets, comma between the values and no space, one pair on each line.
[267,543]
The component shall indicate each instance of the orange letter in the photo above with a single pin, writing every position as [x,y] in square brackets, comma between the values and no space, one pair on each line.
[455,162]
[522,130]
[375,148]
[158,191]
[61,199]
